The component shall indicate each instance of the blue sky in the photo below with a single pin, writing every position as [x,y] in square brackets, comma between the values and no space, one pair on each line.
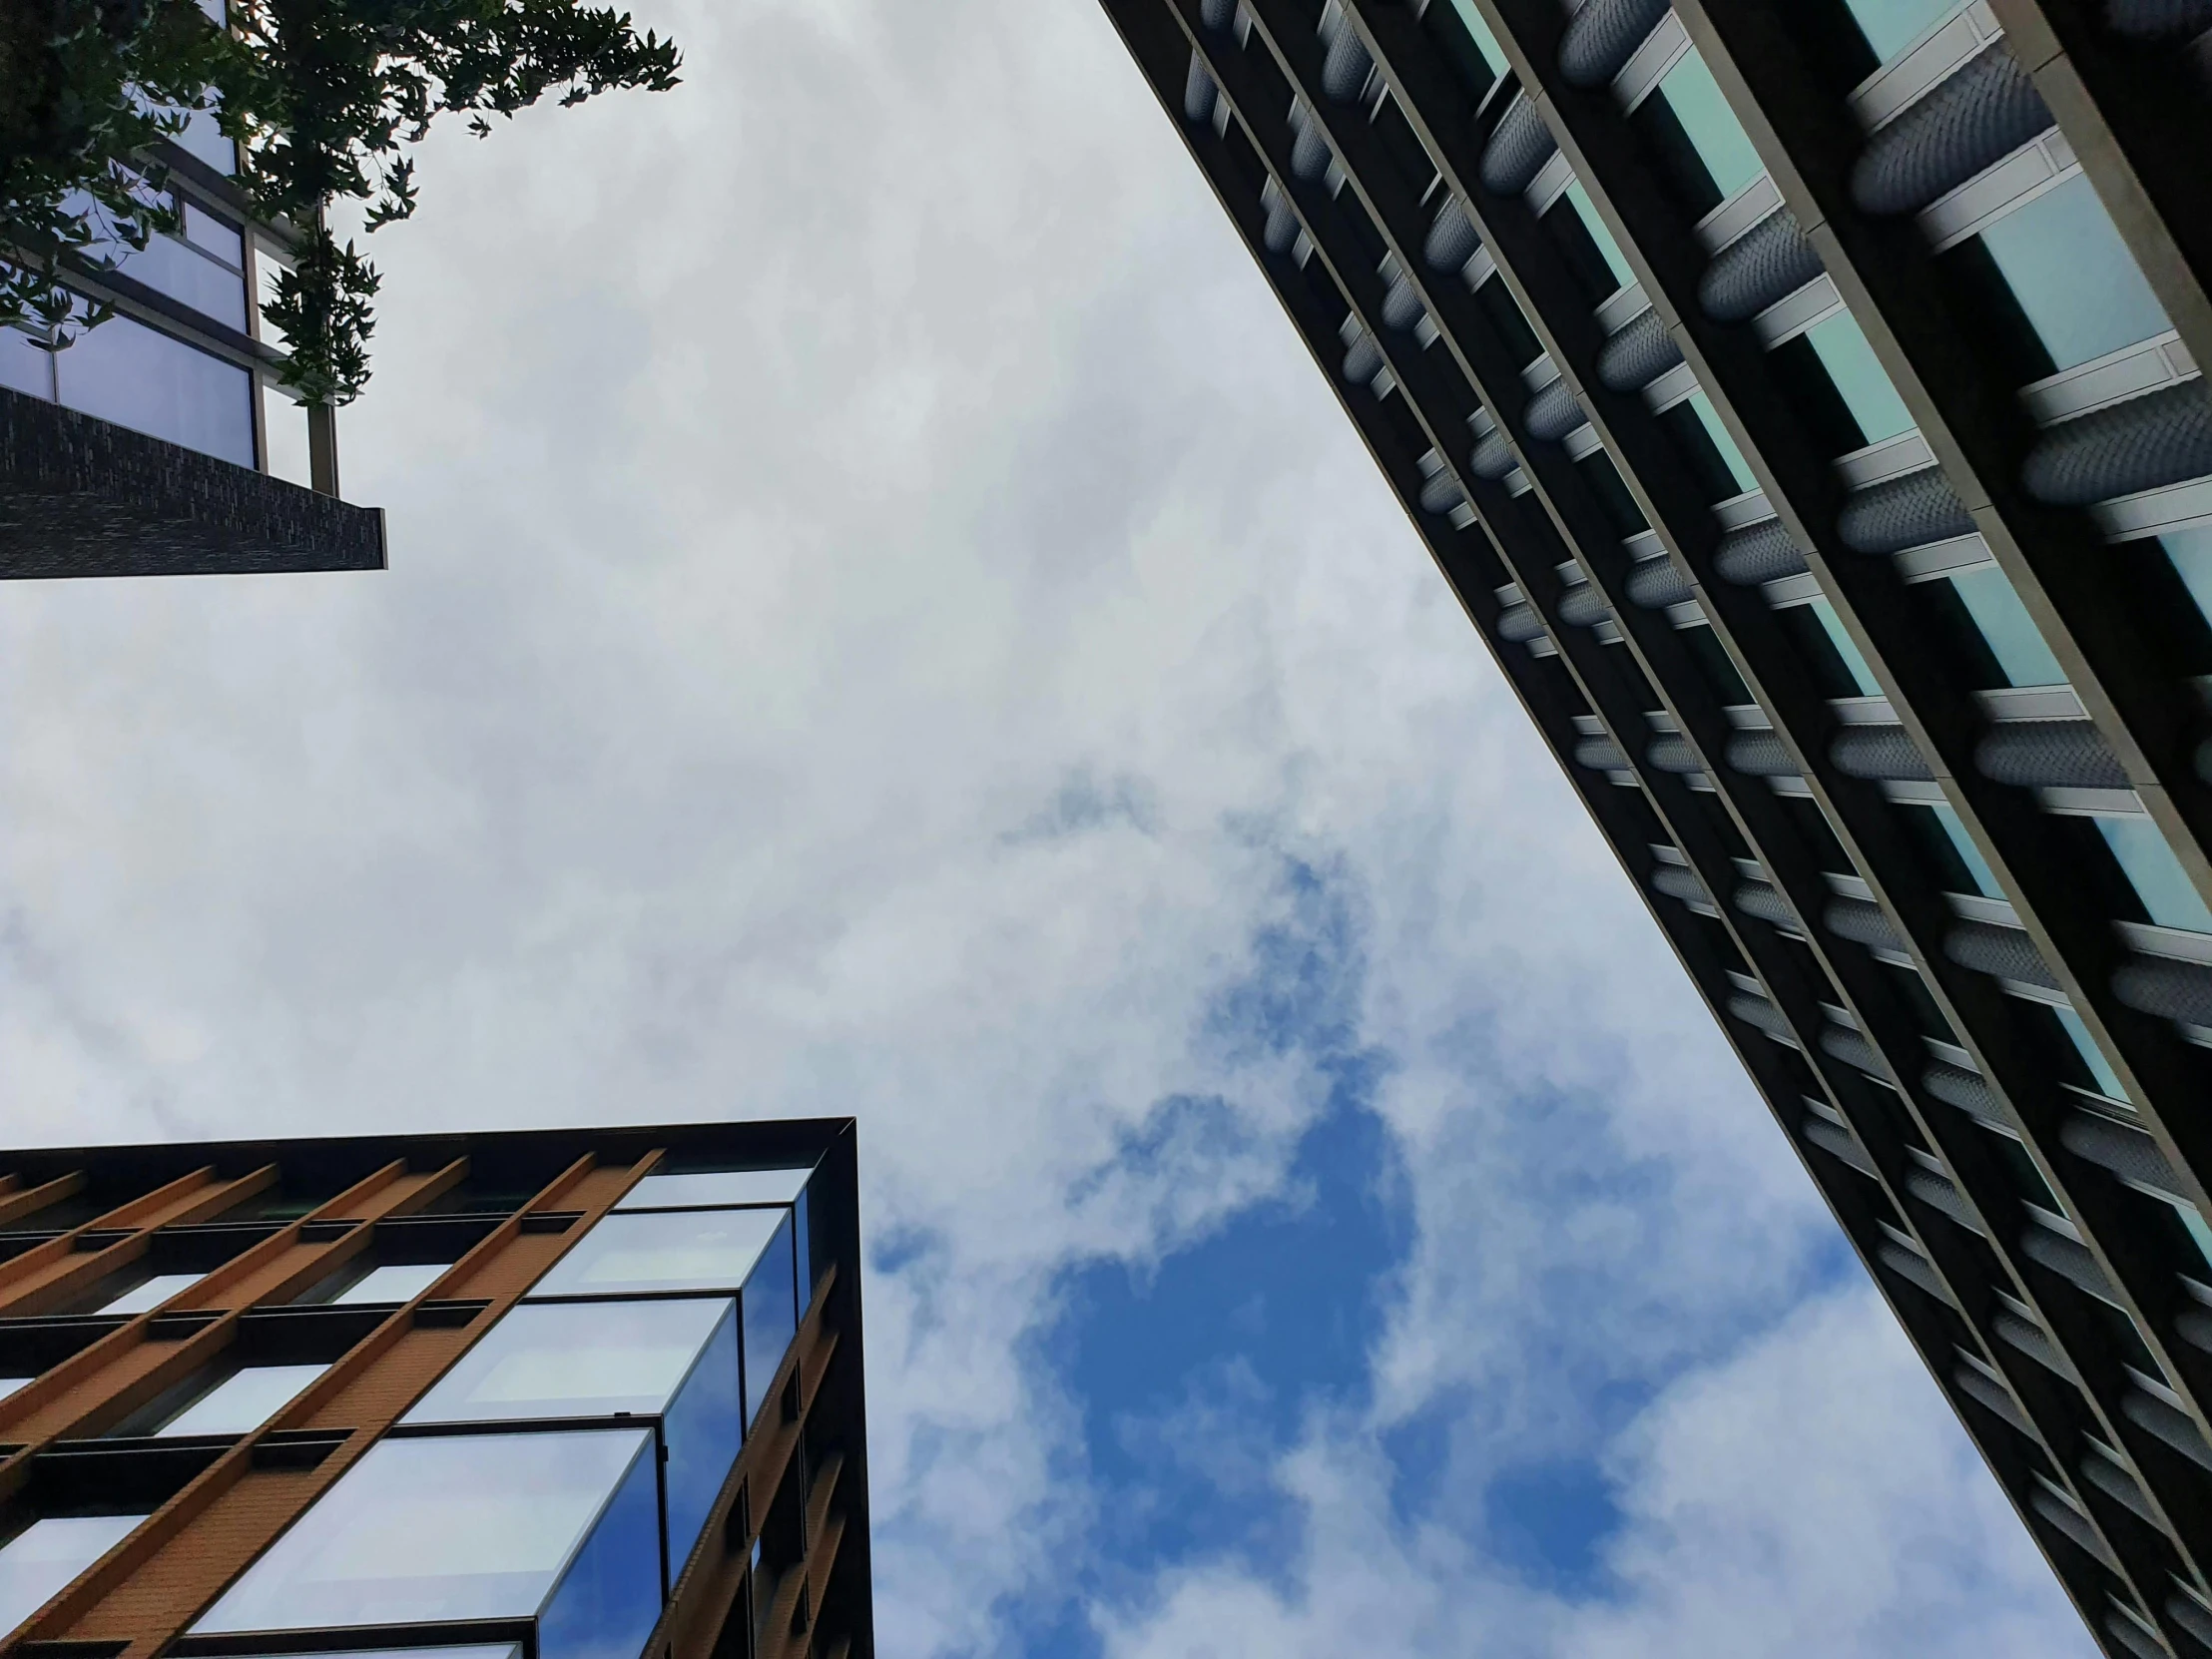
[885,617]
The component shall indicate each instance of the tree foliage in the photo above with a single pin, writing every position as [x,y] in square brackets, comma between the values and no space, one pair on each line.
[323,98]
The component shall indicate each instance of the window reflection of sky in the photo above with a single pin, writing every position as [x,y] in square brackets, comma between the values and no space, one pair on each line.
[704,1250]
[451,1527]
[715,1191]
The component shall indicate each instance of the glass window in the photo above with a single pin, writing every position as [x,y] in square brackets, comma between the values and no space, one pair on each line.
[722,1190]
[1734,457]
[226,242]
[150,1293]
[771,1318]
[1985,879]
[243,1400]
[2074,278]
[143,379]
[8,1384]
[1484,41]
[2168,896]
[467,1527]
[674,1360]
[39,1561]
[802,1252]
[1891,25]
[1846,648]
[693,1250]
[2191,554]
[2013,639]
[1861,381]
[1711,126]
[393,1282]
[2108,1080]
[1608,250]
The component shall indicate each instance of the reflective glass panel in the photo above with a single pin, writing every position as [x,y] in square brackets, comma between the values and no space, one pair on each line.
[243,1400]
[2077,1034]
[8,1384]
[1710,419]
[1484,41]
[610,1600]
[149,1294]
[1710,125]
[771,1318]
[1891,25]
[488,1650]
[1984,879]
[802,1252]
[715,1191]
[2013,639]
[577,1359]
[693,1250]
[47,1554]
[1860,380]
[1615,261]
[1846,648]
[393,1282]
[2074,278]
[2191,554]
[143,379]
[451,1526]
[2155,874]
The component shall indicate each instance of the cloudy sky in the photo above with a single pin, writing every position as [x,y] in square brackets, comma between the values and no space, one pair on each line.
[885,617]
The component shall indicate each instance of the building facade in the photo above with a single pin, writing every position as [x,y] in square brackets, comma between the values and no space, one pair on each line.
[163,441]
[559,1395]
[1802,398]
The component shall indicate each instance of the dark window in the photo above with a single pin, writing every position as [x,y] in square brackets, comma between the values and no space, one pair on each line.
[1989,313]
[1402,145]
[1962,638]
[1579,249]
[1817,651]
[1612,495]
[1679,162]
[1811,392]
[1925,1014]
[1498,304]
[1818,836]
[1718,667]
[1459,51]
[2026,1179]
[1950,871]
[1698,452]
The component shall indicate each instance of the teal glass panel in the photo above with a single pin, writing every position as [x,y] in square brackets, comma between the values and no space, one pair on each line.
[1484,41]
[1846,648]
[1860,378]
[2072,275]
[2011,634]
[1891,25]
[2191,554]
[1608,249]
[2155,874]
[1985,881]
[2108,1080]
[1730,454]
[1710,125]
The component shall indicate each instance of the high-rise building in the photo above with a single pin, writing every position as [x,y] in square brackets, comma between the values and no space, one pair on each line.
[162,441]
[587,1393]
[1802,398]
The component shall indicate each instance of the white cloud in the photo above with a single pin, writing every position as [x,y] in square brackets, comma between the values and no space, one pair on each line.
[881,600]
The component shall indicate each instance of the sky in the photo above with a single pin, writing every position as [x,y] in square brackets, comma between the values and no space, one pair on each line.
[885,617]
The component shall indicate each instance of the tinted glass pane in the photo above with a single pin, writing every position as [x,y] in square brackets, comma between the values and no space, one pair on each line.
[2108,1080]
[1891,25]
[802,1252]
[1860,378]
[1484,41]
[2155,874]
[2191,554]
[704,1429]
[1846,648]
[609,1600]
[577,1359]
[47,1554]
[149,1294]
[452,1526]
[1710,125]
[1616,264]
[715,1191]
[1985,877]
[770,1317]
[2072,275]
[145,380]
[394,1282]
[693,1250]
[2011,633]
[243,1400]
